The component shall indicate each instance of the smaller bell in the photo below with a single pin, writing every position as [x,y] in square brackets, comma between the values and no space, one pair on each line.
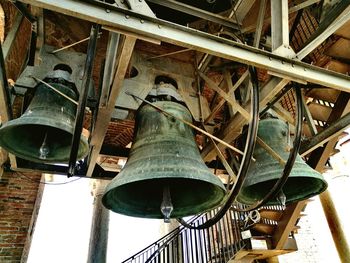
[303,182]
[44,132]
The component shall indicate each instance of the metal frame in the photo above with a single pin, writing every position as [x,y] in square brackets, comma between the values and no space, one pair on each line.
[105,112]
[162,30]
[79,118]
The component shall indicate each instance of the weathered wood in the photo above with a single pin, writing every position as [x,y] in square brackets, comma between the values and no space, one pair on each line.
[104,113]
[226,96]
[286,224]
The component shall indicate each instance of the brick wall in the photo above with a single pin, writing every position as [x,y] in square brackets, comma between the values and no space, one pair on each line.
[18,198]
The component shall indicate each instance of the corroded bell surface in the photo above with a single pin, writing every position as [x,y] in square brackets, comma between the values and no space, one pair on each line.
[303,182]
[164,170]
[44,132]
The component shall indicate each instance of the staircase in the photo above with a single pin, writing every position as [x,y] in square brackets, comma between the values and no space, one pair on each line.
[218,244]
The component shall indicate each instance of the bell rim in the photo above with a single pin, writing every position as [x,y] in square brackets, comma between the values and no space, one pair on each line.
[129,212]
[15,123]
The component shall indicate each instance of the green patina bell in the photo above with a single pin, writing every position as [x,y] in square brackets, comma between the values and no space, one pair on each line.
[164,176]
[303,182]
[44,132]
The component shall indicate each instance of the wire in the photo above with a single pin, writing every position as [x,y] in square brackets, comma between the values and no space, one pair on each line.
[41,182]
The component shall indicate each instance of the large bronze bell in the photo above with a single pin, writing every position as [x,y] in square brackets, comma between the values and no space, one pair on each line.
[44,132]
[164,176]
[303,182]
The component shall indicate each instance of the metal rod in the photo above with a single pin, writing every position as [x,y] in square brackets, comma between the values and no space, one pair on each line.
[188,123]
[169,54]
[56,90]
[271,151]
[82,99]
[71,45]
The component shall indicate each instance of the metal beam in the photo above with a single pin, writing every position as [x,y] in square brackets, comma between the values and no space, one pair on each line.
[189,38]
[109,67]
[259,24]
[197,12]
[84,89]
[105,112]
[279,24]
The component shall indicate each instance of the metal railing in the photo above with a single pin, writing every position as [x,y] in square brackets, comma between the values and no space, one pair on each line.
[216,244]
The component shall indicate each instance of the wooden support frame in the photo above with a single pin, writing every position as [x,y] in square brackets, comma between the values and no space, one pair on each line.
[105,112]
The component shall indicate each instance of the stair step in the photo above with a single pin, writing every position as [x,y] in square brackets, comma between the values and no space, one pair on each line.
[264,228]
[340,49]
[325,94]
[319,112]
[271,214]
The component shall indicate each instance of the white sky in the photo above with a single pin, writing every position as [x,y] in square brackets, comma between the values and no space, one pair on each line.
[63,227]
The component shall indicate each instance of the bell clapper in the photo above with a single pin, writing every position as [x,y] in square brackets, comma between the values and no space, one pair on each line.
[281,197]
[166,207]
[44,149]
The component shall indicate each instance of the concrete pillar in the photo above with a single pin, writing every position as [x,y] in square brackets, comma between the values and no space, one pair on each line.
[99,225]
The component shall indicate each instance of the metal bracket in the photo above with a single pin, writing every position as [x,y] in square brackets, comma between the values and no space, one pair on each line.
[74,60]
[143,82]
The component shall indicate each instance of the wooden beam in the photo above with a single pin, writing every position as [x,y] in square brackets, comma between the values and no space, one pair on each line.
[286,224]
[233,128]
[105,112]
[227,97]
[231,88]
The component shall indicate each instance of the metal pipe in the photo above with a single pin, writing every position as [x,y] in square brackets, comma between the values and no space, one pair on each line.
[82,99]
